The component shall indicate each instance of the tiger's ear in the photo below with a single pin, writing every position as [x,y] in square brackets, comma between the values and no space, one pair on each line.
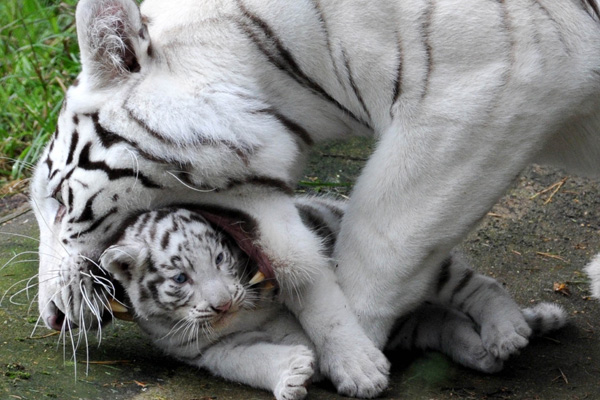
[121,260]
[113,41]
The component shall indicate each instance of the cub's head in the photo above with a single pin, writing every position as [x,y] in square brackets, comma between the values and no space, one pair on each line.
[176,267]
[151,121]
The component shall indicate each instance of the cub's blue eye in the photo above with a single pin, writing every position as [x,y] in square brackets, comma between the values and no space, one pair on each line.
[219,258]
[181,278]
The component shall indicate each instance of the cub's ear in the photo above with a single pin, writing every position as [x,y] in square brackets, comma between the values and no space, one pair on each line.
[113,41]
[121,261]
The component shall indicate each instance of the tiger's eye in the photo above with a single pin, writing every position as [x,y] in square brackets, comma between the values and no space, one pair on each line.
[58,197]
[181,278]
[219,258]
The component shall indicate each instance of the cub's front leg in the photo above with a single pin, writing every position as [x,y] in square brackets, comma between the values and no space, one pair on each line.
[250,358]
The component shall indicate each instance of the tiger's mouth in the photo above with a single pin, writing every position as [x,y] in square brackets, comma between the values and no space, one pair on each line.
[259,277]
[119,305]
[242,229]
[119,310]
[59,321]
[76,294]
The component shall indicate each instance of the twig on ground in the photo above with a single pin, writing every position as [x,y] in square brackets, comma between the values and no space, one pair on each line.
[554,188]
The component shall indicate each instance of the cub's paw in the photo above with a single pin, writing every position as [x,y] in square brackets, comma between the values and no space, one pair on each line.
[480,359]
[505,336]
[356,369]
[296,375]
[465,346]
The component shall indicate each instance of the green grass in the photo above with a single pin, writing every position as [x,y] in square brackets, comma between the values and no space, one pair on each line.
[38,59]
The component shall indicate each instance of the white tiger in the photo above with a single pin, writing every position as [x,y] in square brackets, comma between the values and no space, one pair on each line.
[202,300]
[217,102]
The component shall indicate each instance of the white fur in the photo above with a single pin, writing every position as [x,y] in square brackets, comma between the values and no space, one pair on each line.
[593,271]
[485,89]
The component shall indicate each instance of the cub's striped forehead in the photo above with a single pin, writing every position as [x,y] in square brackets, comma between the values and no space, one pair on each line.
[173,229]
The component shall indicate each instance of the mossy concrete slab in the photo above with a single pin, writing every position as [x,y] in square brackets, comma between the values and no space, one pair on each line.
[529,242]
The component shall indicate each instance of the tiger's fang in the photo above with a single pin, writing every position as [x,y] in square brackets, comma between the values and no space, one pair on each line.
[257,278]
[117,307]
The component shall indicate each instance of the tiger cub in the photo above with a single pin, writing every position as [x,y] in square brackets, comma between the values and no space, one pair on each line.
[201,299]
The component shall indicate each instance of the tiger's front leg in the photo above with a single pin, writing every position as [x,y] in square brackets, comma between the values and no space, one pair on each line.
[420,193]
[309,289]
[346,355]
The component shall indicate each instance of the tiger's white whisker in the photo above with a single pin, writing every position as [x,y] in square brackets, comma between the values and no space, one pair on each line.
[46,225]
[37,322]
[27,164]
[188,186]
[136,168]
[90,260]
[10,261]
[29,261]
[34,300]
[10,287]
[66,327]
[99,306]
[86,297]
[25,289]
[105,283]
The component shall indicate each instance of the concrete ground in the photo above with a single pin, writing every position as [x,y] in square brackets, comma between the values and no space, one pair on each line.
[536,239]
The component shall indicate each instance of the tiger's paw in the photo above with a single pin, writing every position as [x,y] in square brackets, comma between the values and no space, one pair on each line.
[297,375]
[360,370]
[506,336]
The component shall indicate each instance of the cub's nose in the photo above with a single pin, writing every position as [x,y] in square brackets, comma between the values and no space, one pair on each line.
[221,308]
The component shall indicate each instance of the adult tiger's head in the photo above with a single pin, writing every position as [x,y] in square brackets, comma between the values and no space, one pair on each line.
[148,123]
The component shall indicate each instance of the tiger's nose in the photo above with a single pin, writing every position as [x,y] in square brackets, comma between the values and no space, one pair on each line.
[224,307]
[56,319]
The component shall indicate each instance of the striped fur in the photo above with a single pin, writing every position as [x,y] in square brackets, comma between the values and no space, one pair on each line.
[216,103]
[187,320]
[213,318]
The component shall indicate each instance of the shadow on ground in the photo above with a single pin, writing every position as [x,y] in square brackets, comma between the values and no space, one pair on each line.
[539,236]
